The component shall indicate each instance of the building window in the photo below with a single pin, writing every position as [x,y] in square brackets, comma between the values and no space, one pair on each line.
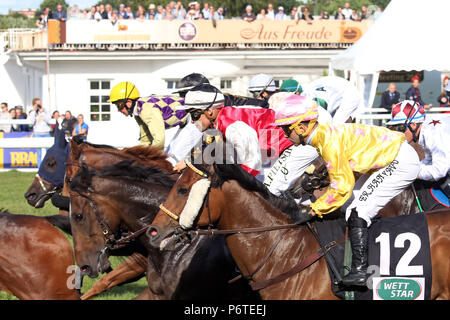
[225,84]
[172,84]
[99,108]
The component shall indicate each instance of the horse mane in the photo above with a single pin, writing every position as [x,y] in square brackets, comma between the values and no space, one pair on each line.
[79,140]
[137,172]
[146,153]
[226,172]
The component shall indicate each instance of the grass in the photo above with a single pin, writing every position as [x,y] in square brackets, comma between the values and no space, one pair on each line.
[13,185]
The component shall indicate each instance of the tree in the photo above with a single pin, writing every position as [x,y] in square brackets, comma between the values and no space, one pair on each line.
[16,21]
[52,4]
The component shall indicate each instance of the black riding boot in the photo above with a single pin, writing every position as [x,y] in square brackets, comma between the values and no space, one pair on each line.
[359,238]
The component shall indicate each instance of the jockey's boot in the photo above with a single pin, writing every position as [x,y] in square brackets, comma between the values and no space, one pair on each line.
[359,239]
[303,215]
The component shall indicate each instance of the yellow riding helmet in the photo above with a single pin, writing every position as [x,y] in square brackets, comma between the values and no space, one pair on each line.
[123,90]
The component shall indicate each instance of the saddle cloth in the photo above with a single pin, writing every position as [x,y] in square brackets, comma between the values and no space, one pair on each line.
[399,257]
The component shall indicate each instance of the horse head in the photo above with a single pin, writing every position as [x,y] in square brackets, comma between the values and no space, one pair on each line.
[50,176]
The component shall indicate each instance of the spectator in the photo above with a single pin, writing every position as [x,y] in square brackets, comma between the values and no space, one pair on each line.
[21,115]
[5,116]
[270,11]
[122,14]
[444,97]
[347,11]
[85,14]
[364,13]
[262,15]
[355,16]
[12,116]
[306,15]
[74,12]
[199,16]
[42,22]
[94,14]
[206,11]
[140,15]
[190,15]
[68,123]
[445,82]
[293,15]
[179,13]
[218,15]
[324,15]
[151,10]
[413,92]
[378,13]
[81,127]
[390,97]
[160,14]
[248,15]
[60,14]
[197,9]
[280,14]
[114,18]
[109,11]
[129,12]
[339,15]
[102,12]
[40,119]
[191,6]
[55,115]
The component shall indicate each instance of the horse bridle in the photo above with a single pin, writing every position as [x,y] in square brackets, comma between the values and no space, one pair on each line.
[46,190]
[111,242]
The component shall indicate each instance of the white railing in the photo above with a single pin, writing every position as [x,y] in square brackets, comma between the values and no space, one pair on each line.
[374,115]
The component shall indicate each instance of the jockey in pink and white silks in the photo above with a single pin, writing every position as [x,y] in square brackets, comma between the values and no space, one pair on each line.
[247,129]
[294,160]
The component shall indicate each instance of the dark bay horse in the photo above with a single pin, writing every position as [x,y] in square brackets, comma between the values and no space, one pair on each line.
[127,197]
[236,201]
[35,259]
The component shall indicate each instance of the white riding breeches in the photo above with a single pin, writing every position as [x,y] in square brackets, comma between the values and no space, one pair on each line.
[372,193]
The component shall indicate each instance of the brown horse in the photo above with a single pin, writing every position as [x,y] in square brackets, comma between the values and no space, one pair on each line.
[35,259]
[126,197]
[96,157]
[236,201]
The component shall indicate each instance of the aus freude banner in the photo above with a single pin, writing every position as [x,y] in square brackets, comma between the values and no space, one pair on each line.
[19,158]
[221,31]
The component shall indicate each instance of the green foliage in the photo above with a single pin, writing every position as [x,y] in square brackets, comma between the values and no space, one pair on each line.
[16,21]
[52,4]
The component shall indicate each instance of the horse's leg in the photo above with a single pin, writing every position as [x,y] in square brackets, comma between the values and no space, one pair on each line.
[132,267]
[439,229]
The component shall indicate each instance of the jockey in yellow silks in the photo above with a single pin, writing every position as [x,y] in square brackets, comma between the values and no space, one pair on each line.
[388,164]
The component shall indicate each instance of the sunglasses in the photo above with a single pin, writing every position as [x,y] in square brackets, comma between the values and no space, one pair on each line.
[120,105]
[196,114]
[398,128]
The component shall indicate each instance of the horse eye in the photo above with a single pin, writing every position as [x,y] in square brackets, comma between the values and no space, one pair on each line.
[183,191]
[78,217]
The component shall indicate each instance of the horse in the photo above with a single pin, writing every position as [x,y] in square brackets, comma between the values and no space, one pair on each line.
[127,196]
[263,237]
[35,259]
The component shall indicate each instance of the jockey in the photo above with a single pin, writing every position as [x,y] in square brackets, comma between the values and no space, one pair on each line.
[291,85]
[154,113]
[295,159]
[390,163]
[247,129]
[433,135]
[262,87]
[336,95]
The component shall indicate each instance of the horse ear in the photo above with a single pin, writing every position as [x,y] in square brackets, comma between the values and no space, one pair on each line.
[75,149]
[60,138]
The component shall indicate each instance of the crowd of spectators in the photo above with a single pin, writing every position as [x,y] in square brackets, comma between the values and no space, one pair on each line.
[196,11]
[42,122]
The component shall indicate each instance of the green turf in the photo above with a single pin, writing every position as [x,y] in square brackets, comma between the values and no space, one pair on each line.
[13,185]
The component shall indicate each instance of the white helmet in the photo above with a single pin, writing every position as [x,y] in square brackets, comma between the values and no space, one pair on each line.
[262,82]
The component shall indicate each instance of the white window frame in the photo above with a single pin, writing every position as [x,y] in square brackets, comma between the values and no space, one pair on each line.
[103,95]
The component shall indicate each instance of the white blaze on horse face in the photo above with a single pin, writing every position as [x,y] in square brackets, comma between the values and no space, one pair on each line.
[194,203]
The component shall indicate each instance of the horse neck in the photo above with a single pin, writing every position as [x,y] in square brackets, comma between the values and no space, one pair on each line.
[246,209]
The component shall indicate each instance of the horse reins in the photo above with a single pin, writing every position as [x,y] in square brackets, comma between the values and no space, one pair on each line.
[258,285]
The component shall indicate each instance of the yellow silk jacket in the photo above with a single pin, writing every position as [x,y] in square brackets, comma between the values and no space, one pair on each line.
[348,148]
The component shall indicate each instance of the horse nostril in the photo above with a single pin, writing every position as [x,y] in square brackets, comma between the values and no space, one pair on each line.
[85,268]
[30,196]
[152,232]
